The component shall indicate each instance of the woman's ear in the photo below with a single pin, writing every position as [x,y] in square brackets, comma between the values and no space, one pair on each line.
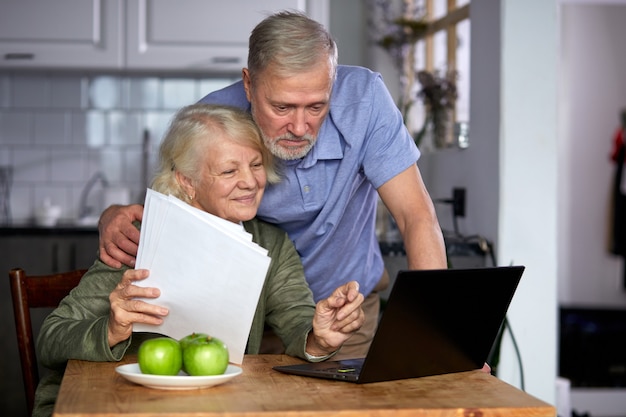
[186,184]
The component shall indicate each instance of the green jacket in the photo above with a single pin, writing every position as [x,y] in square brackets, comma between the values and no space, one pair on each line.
[77,329]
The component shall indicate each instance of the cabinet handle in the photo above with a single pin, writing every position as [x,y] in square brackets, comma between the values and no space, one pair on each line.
[19,56]
[226,60]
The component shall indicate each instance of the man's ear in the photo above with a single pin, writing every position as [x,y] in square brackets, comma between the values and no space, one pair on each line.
[245,76]
[186,184]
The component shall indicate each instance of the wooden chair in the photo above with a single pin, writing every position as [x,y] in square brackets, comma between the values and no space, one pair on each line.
[35,291]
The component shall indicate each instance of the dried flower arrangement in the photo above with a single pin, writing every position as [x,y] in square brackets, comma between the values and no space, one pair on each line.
[439,94]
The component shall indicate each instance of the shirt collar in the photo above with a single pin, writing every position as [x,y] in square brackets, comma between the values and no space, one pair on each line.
[328,145]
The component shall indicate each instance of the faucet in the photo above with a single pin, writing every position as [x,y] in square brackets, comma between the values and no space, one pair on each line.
[83,209]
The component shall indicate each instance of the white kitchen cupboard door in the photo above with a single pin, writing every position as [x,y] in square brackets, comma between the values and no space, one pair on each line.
[62,34]
[207,36]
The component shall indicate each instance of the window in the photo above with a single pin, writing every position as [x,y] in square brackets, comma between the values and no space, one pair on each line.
[431,35]
[446,45]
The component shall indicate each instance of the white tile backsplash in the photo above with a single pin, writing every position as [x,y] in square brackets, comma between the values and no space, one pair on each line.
[178,93]
[30,92]
[144,93]
[112,165]
[5,158]
[157,123]
[57,130]
[5,86]
[30,166]
[51,128]
[105,92]
[68,166]
[95,129]
[16,127]
[124,128]
[22,202]
[78,128]
[133,164]
[66,92]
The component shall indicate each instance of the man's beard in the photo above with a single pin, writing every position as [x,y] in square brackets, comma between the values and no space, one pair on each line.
[286,153]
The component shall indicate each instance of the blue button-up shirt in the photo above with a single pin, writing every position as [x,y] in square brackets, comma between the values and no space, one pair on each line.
[327,201]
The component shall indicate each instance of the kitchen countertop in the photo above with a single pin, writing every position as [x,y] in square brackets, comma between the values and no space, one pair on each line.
[61,228]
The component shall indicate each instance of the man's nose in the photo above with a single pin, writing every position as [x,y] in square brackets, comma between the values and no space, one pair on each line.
[298,123]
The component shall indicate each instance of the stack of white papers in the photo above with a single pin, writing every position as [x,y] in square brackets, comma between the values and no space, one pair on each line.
[209,271]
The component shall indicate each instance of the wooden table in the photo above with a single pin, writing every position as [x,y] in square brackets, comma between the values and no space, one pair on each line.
[95,389]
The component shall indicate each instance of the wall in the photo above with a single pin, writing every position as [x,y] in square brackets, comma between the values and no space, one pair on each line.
[593,94]
[593,97]
[58,129]
[346,23]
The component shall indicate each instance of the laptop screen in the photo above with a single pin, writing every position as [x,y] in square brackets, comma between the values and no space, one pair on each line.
[440,321]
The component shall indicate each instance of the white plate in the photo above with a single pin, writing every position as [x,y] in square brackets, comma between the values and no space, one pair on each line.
[178,382]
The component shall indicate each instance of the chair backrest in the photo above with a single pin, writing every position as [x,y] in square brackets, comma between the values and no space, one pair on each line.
[35,291]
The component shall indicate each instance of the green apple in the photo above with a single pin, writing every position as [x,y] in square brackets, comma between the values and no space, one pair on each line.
[205,356]
[160,356]
[185,341]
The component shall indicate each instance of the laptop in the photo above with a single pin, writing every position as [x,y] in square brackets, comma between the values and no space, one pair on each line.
[435,322]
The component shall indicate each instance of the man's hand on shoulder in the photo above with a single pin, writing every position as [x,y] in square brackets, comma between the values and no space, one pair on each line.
[118,236]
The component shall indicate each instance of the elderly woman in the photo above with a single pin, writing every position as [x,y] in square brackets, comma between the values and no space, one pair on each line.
[212,158]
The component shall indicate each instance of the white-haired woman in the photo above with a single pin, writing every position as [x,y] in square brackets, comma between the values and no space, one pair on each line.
[213,158]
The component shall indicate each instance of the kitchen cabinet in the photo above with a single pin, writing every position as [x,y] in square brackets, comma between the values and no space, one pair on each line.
[194,34]
[49,254]
[136,35]
[38,251]
[60,34]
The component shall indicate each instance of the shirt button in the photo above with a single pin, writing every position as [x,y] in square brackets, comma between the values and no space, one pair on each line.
[307,188]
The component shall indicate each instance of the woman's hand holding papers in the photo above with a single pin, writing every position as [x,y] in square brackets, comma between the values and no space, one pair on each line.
[336,319]
[127,309]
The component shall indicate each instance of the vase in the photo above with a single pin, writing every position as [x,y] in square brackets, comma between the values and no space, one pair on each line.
[442,128]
